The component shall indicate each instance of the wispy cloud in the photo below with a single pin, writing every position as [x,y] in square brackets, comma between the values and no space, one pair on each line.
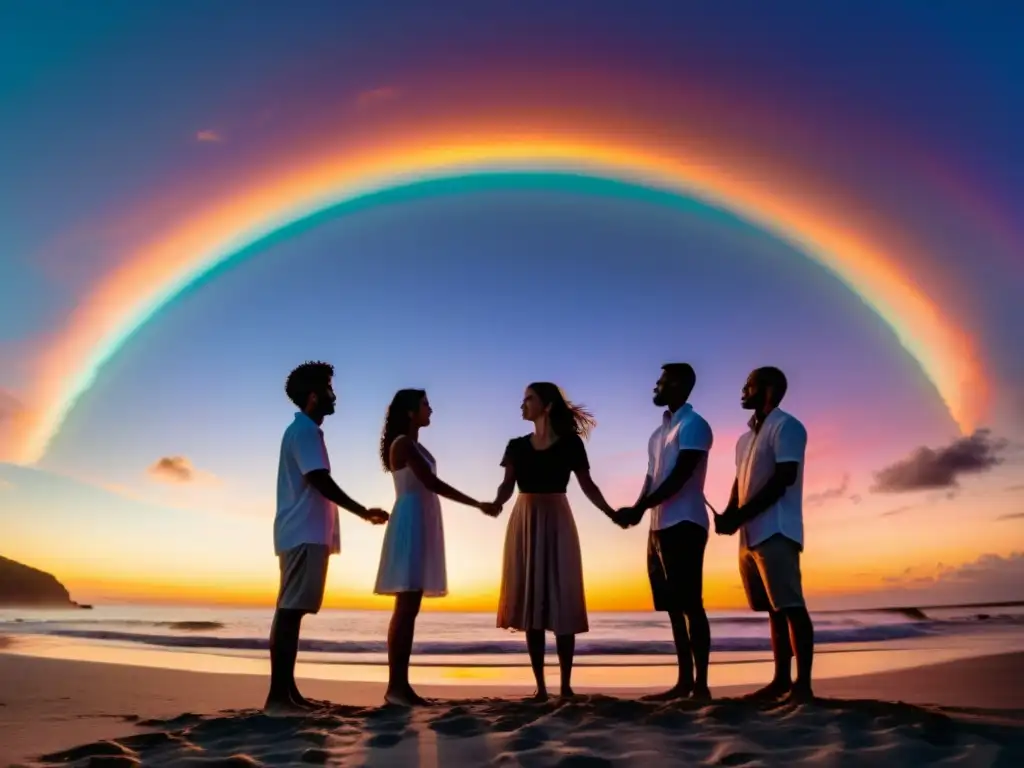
[209,135]
[176,469]
[840,491]
[932,468]
[377,96]
[1012,516]
[898,511]
[1015,488]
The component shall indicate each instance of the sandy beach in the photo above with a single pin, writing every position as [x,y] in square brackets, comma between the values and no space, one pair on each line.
[966,712]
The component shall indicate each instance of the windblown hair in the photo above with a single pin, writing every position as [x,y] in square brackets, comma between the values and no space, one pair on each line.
[770,376]
[566,417]
[397,421]
[312,376]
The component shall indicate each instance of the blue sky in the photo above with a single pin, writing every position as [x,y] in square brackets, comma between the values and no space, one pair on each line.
[915,110]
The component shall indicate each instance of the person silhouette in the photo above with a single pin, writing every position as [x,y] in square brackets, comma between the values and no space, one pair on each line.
[542,566]
[766,507]
[412,561]
[674,492]
[306,527]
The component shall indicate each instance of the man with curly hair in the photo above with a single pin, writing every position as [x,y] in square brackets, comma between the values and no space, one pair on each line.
[306,528]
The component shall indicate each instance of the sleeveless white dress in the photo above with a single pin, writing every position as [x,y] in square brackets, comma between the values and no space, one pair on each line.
[412,558]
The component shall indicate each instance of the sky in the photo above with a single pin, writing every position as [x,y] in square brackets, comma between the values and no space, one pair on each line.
[577,193]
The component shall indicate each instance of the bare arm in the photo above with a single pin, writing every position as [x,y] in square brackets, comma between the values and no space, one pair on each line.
[734,496]
[322,481]
[644,490]
[592,492]
[404,454]
[507,487]
[686,463]
[785,475]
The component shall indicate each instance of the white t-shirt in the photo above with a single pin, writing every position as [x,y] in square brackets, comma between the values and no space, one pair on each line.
[303,516]
[684,430]
[780,439]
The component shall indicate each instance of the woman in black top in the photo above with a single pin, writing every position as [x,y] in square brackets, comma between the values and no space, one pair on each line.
[542,570]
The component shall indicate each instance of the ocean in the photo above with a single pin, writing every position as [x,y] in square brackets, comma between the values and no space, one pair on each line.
[471,639]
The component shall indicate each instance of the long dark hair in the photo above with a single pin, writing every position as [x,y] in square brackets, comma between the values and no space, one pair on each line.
[396,422]
[566,417]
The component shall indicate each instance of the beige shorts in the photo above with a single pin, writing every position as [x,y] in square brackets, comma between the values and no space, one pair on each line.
[303,577]
[771,574]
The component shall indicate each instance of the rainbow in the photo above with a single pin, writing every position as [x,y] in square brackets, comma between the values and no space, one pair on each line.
[235,227]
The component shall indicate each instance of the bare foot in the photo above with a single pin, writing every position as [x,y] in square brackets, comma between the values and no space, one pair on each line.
[404,697]
[300,701]
[701,694]
[537,697]
[773,691]
[567,693]
[678,691]
[800,693]
[283,708]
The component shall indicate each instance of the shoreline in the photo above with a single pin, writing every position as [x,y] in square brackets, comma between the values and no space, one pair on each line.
[728,668]
[54,704]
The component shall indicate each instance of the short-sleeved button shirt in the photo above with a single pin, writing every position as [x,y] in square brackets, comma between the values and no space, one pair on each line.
[684,430]
[304,515]
[780,439]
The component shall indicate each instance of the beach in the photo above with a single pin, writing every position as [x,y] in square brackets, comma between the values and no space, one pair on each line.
[57,711]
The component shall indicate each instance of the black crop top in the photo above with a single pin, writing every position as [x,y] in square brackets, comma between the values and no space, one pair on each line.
[545,471]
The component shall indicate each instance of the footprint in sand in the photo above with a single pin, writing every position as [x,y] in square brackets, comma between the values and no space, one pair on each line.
[384,740]
[527,738]
[459,723]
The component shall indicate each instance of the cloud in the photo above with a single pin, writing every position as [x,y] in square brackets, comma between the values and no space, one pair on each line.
[1012,516]
[931,468]
[990,578]
[176,469]
[1015,488]
[377,96]
[209,135]
[831,494]
[898,511]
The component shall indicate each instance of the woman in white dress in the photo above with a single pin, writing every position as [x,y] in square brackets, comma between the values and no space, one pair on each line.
[412,561]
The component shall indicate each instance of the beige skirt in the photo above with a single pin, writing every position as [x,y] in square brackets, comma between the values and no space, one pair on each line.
[542,572]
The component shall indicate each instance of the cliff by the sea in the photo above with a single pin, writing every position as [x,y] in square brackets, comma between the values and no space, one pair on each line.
[21,585]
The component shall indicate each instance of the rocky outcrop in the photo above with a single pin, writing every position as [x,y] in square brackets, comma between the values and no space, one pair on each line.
[21,585]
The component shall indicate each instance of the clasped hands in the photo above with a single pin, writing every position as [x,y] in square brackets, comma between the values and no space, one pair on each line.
[627,517]
[489,508]
[727,523]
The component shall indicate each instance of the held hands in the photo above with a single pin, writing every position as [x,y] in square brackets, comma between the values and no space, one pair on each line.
[627,517]
[489,508]
[375,516]
[727,523]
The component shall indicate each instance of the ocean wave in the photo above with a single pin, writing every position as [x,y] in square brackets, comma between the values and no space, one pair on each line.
[584,647]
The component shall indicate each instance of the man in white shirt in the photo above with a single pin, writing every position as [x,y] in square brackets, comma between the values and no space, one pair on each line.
[674,492]
[766,506]
[306,529]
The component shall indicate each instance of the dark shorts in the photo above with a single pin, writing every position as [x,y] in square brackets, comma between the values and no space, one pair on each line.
[303,577]
[675,565]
